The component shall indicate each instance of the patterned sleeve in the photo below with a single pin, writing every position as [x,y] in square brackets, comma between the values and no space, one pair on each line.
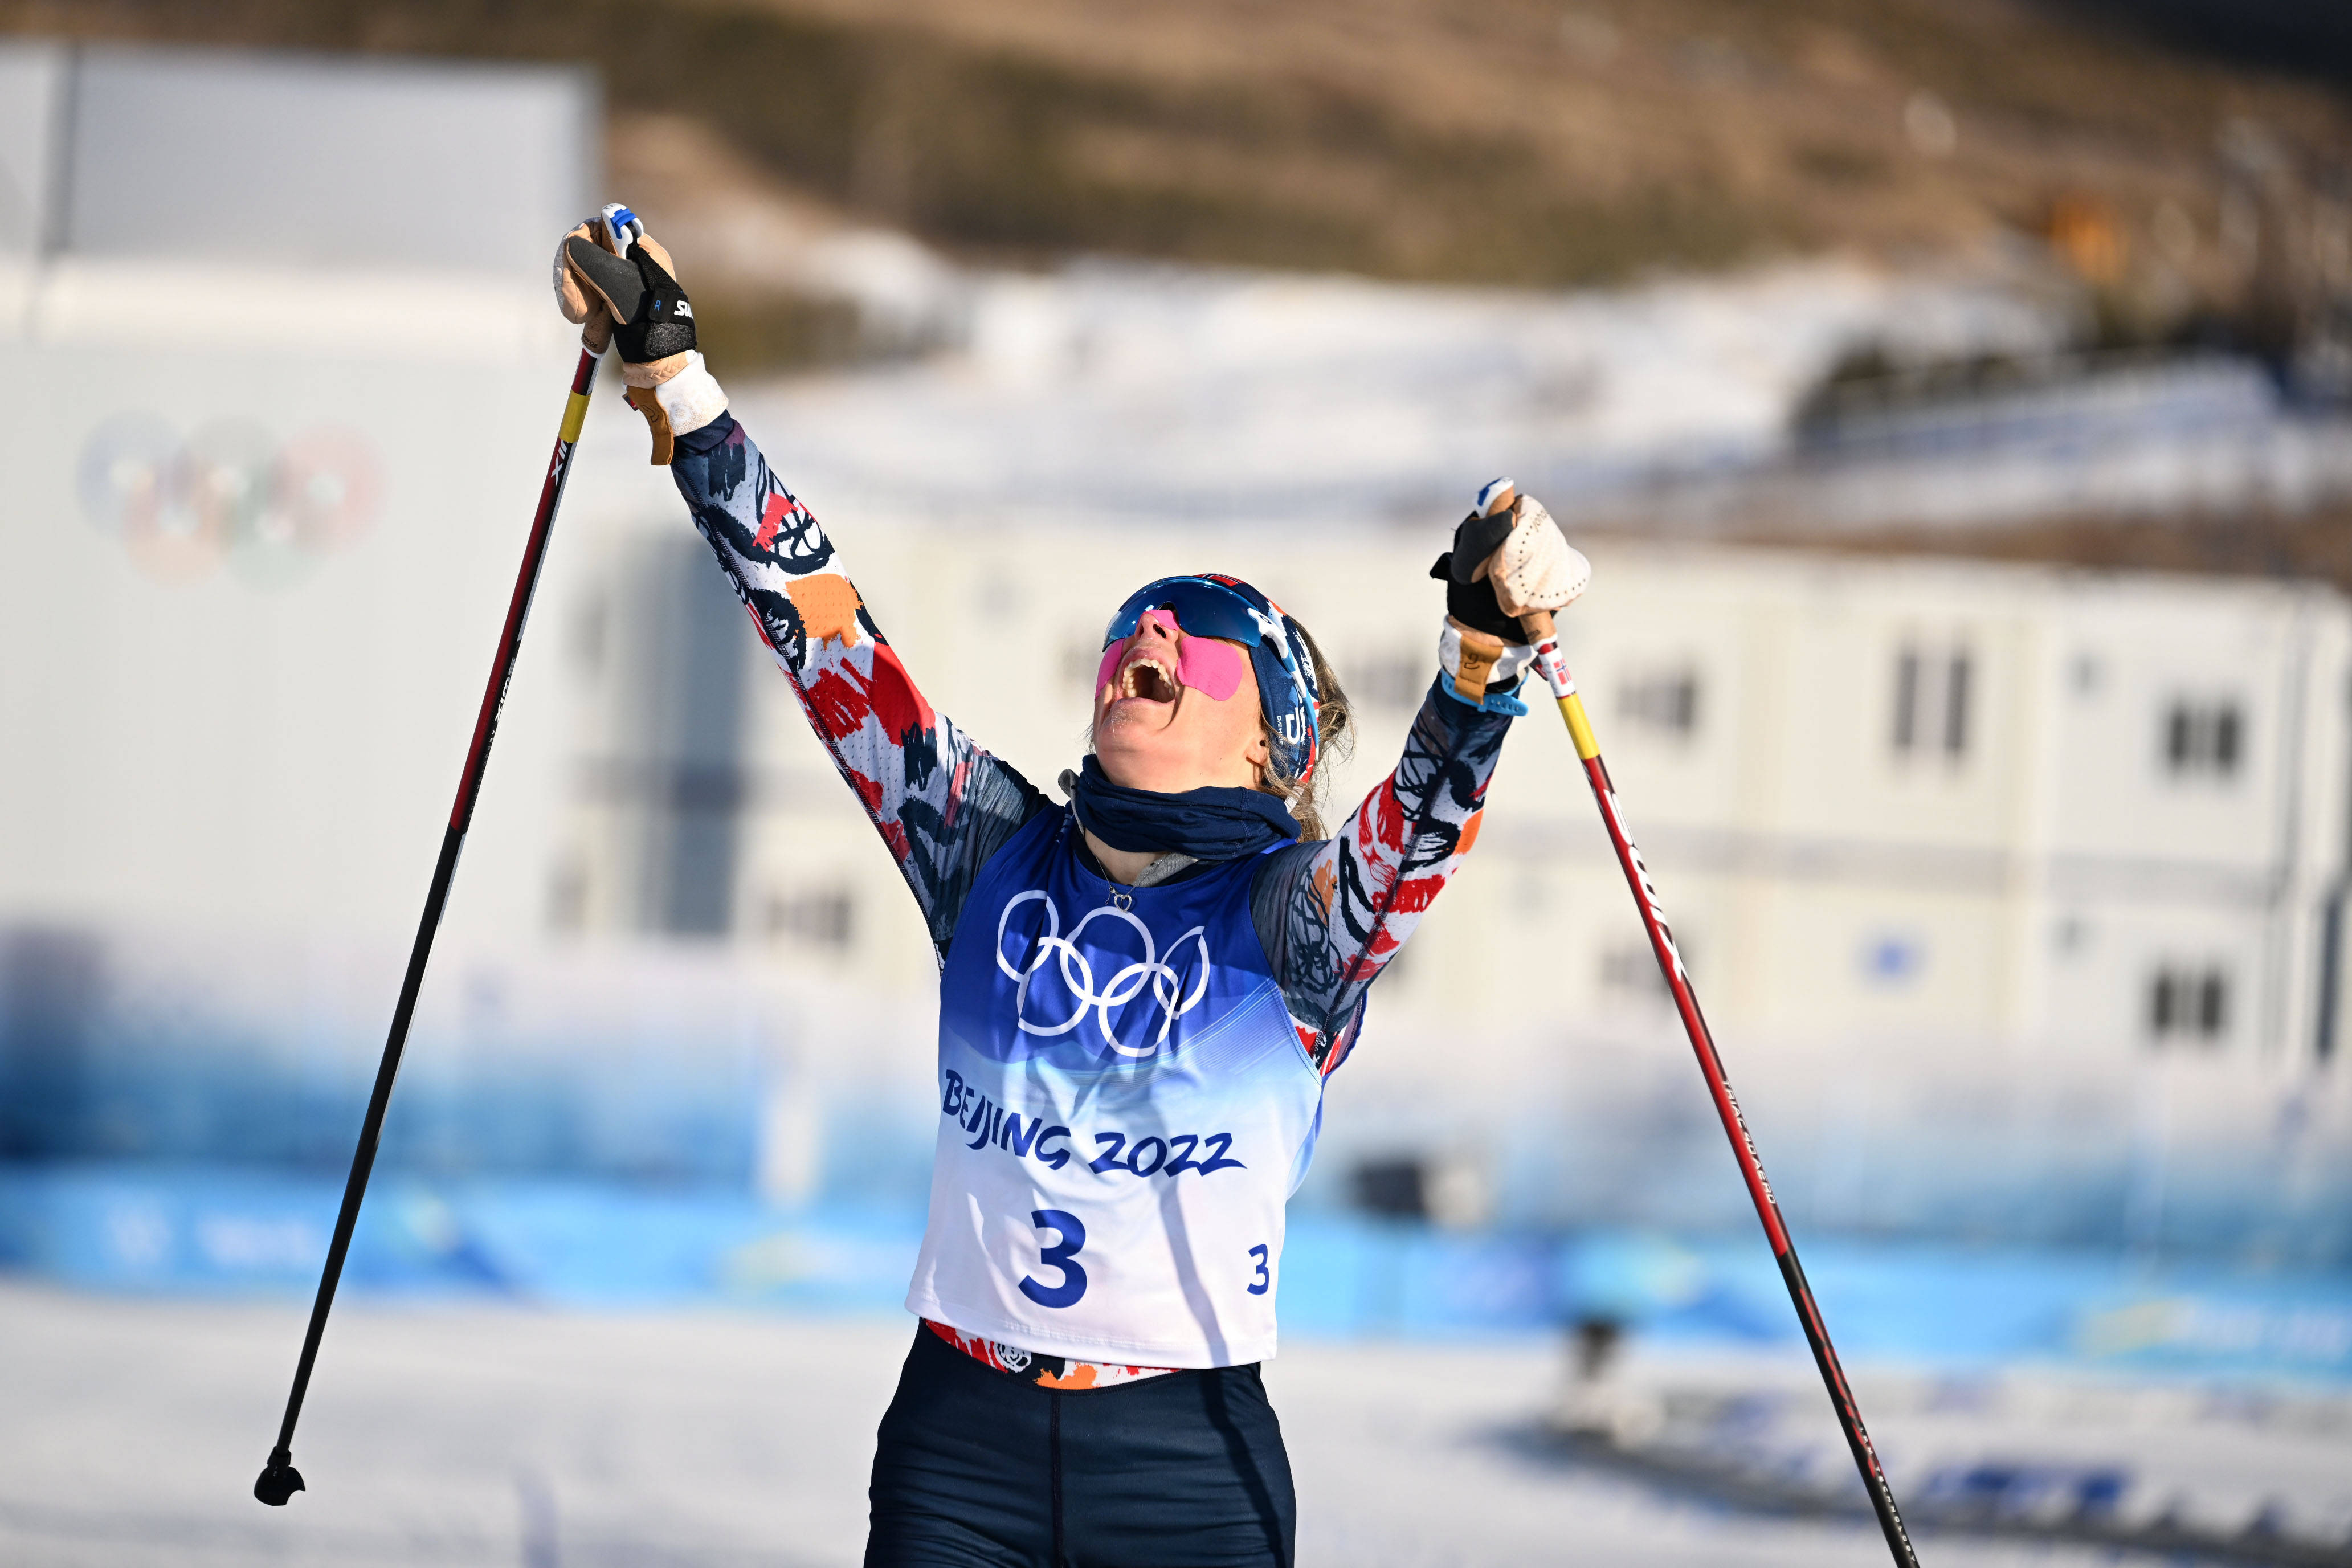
[942,803]
[1334,912]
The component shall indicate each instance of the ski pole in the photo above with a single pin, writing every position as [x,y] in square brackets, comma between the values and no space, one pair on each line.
[1554,669]
[280,1479]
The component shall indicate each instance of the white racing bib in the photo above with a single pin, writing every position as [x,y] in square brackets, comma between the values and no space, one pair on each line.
[1124,1110]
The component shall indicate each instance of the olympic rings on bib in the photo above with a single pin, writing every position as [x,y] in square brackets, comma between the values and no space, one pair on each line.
[1077,975]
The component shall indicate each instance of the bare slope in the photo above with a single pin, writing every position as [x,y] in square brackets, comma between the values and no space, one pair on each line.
[1503,141]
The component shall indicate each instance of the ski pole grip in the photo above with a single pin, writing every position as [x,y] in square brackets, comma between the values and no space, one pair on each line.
[1504,497]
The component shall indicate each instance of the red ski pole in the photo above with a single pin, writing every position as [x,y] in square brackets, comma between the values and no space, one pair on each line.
[1554,670]
[280,1479]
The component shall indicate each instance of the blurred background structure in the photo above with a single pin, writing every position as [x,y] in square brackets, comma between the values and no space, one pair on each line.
[1956,400]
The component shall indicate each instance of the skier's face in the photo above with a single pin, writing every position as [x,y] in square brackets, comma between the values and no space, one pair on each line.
[1174,712]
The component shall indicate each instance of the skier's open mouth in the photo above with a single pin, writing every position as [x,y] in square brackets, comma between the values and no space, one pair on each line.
[1159,669]
[1143,676]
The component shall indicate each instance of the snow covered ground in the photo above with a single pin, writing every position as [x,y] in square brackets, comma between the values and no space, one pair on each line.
[1166,394]
[1169,394]
[475,1435]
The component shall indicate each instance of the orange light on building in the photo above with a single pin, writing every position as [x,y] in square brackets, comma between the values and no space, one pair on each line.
[2083,230]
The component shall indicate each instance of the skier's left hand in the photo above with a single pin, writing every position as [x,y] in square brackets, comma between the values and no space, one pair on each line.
[1535,567]
[1509,559]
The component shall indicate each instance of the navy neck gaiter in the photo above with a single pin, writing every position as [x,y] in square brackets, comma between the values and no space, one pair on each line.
[1212,824]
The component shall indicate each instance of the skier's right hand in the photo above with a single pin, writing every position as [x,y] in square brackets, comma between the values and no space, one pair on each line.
[634,295]
[634,299]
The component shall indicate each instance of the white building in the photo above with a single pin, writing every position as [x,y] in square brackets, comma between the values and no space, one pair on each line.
[2105,810]
[282,379]
[2035,867]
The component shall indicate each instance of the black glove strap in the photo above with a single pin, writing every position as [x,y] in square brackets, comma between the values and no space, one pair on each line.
[666,325]
[652,318]
[1474,538]
[1473,604]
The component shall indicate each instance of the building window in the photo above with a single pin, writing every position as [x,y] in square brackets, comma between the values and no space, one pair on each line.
[1957,670]
[567,896]
[2189,1002]
[2203,738]
[824,918]
[1666,701]
[1631,970]
[1934,698]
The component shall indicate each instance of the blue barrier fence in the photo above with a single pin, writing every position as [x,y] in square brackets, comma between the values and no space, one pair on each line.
[180,1229]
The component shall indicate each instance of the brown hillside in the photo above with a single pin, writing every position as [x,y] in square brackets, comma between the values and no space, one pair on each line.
[1496,141]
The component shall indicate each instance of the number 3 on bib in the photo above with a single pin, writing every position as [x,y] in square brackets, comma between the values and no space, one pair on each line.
[1062,1257]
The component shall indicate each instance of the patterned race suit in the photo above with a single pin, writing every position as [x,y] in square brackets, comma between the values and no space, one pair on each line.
[1330,913]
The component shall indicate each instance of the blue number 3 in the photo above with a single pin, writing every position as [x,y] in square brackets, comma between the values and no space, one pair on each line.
[1062,1256]
[1264,1279]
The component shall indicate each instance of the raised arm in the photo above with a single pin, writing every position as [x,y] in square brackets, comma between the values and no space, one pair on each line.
[940,803]
[1333,912]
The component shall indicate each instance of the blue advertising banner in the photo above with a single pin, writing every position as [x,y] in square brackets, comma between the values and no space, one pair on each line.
[209,1230]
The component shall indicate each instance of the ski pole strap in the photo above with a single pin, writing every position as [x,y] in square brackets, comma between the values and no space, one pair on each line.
[1480,651]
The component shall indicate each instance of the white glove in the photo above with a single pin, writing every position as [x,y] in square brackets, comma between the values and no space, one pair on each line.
[1535,568]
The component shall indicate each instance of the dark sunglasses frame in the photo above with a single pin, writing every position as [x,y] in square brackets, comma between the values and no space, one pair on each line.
[1203,609]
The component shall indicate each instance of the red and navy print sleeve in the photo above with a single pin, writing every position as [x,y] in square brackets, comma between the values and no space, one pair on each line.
[940,803]
[1332,913]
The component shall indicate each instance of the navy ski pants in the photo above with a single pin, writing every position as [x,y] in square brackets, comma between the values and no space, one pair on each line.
[979,1468]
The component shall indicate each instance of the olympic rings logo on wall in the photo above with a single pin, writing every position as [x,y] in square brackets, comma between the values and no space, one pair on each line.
[228,493]
[1077,975]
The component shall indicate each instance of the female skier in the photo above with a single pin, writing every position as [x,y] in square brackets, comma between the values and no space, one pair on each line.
[1140,993]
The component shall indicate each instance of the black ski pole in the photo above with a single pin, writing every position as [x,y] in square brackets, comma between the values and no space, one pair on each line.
[280,1479]
[1554,670]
